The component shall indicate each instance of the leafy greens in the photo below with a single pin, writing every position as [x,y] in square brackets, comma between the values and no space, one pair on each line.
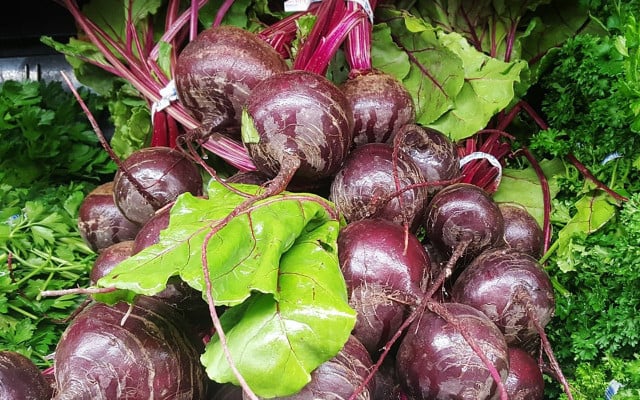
[276,269]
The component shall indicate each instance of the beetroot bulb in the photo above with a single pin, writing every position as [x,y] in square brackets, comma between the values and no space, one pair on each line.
[384,267]
[369,185]
[100,222]
[436,361]
[502,283]
[143,351]
[515,292]
[20,378]
[381,105]
[521,230]
[433,152]
[525,380]
[216,72]
[376,251]
[298,126]
[340,377]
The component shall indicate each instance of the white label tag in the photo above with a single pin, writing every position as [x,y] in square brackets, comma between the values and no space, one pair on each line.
[296,5]
[366,6]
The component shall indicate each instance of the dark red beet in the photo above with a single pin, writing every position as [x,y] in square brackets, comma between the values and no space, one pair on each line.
[109,258]
[365,186]
[339,377]
[298,115]
[116,352]
[100,221]
[433,152]
[435,361]
[376,251]
[216,72]
[162,174]
[525,380]
[463,212]
[521,230]
[380,104]
[150,232]
[380,314]
[20,378]
[502,283]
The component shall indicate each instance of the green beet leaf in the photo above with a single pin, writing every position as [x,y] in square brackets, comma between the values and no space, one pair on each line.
[522,186]
[274,266]
[435,74]
[271,339]
[488,88]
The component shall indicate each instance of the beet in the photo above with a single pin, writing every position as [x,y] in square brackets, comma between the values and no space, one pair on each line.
[20,378]
[463,213]
[379,314]
[365,186]
[381,105]
[521,230]
[434,153]
[160,174]
[109,258]
[149,233]
[525,380]
[298,115]
[434,360]
[100,221]
[502,283]
[139,352]
[216,72]
[376,251]
[339,377]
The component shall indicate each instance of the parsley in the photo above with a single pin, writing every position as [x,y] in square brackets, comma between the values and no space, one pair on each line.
[40,249]
[45,136]
[50,159]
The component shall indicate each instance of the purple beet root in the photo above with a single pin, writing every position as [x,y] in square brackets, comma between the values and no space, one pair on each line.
[297,115]
[434,153]
[365,186]
[109,258]
[506,285]
[464,215]
[20,378]
[435,360]
[341,376]
[521,230]
[381,105]
[380,313]
[160,175]
[525,380]
[100,221]
[376,251]
[216,72]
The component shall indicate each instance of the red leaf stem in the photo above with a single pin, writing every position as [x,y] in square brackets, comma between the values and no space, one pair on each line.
[358,42]
[330,44]
[587,174]
[159,137]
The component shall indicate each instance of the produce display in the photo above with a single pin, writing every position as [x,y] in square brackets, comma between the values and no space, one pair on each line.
[326,200]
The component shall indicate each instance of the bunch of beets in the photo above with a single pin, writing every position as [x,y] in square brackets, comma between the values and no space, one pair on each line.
[451,301]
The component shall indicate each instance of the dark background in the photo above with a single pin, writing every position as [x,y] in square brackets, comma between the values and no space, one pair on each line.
[24,21]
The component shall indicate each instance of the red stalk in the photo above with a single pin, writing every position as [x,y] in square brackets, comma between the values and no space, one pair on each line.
[358,43]
[143,73]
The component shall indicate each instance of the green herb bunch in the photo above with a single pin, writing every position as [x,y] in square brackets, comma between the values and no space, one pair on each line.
[50,159]
[44,135]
